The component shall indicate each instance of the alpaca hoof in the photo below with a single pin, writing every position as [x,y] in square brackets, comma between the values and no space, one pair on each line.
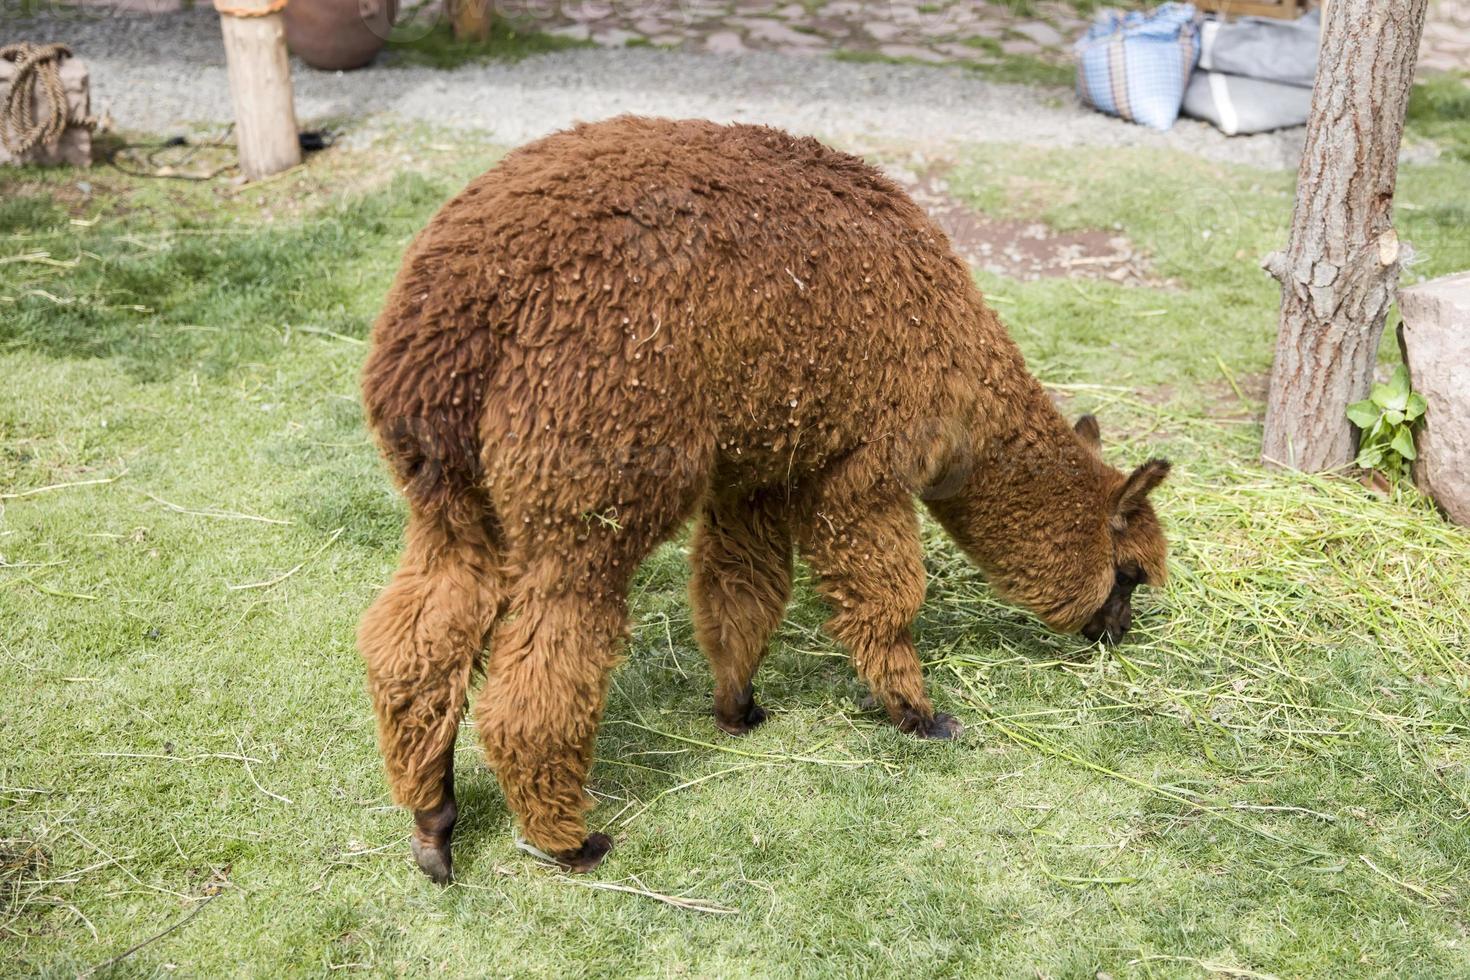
[744,723]
[588,856]
[938,726]
[433,861]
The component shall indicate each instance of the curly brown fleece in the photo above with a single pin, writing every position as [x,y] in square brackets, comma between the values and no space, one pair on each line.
[640,320]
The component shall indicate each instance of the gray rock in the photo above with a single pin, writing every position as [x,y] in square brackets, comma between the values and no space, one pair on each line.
[614,37]
[1437,344]
[882,30]
[593,10]
[777,32]
[1019,46]
[1040,32]
[912,51]
[577,32]
[724,42]
[962,52]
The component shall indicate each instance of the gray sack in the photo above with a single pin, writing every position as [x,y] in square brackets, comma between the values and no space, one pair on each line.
[1255,74]
[1260,47]
[1245,105]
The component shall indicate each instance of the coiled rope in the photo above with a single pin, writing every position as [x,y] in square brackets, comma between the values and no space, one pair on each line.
[35,64]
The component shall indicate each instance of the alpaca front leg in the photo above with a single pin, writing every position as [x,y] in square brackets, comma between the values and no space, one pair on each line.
[539,710]
[433,827]
[741,579]
[865,554]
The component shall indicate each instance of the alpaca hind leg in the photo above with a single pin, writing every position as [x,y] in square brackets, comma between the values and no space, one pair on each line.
[576,528]
[421,639]
[865,554]
[740,583]
[540,706]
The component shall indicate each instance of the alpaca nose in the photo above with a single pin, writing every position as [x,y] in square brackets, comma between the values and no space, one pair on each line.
[1119,627]
[1125,623]
[1109,628]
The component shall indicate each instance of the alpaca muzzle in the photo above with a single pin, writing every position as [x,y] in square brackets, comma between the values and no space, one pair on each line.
[1113,621]
[1109,627]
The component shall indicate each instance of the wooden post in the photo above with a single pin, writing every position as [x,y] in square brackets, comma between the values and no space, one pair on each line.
[1341,264]
[260,85]
[1283,9]
[470,19]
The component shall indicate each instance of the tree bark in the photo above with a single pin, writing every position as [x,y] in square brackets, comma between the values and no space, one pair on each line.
[1342,261]
[471,19]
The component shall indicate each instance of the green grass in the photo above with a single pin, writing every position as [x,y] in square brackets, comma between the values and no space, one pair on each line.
[1439,110]
[1273,778]
[439,48]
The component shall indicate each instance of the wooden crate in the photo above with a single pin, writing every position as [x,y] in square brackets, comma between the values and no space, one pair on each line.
[74,147]
[1285,9]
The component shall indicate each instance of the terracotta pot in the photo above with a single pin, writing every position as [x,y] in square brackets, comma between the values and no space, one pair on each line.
[338,35]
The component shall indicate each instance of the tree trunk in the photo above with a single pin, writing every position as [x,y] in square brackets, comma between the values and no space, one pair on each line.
[471,19]
[1341,263]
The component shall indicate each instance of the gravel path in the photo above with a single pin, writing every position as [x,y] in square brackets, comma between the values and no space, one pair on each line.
[160,73]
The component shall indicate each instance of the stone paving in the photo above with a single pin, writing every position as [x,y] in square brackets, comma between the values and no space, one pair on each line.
[966,32]
[938,32]
[975,33]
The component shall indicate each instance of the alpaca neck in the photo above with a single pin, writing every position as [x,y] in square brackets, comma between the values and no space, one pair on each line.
[1031,512]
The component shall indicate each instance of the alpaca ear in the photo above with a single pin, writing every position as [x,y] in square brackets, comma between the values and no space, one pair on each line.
[1087,430]
[1137,487]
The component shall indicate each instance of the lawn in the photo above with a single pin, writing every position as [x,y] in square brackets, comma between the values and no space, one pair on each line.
[1272,778]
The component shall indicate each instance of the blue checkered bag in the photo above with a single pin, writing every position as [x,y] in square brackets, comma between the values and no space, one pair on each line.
[1136,65]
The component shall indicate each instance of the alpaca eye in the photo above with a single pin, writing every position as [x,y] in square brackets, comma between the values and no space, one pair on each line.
[1128,576]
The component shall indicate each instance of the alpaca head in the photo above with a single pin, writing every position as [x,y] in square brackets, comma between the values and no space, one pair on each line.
[1056,529]
[1137,541]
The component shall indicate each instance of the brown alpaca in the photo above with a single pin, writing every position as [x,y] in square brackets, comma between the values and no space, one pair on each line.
[636,321]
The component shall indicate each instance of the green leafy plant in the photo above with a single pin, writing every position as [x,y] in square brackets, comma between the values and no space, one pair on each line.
[1387,417]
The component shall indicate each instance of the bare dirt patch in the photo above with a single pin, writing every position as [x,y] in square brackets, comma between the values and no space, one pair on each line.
[1241,397]
[1027,250]
[1232,398]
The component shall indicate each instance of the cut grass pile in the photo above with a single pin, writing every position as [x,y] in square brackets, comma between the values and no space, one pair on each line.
[1273,778]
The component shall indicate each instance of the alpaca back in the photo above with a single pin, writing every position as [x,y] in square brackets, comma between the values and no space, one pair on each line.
[736,296]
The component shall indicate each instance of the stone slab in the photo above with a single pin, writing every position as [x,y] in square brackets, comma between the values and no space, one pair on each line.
[1436,339]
